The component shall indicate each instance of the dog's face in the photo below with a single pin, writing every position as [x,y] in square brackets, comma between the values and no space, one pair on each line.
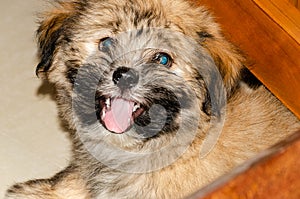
[136,74]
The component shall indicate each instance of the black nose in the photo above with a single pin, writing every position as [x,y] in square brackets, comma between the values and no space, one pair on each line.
[125,78]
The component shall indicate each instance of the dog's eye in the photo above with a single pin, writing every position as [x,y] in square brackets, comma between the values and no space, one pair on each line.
[163,59]
[106,43]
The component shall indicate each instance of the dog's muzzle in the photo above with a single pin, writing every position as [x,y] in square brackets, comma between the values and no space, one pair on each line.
[116,113]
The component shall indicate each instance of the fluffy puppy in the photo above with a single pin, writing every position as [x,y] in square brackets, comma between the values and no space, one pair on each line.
[158,103]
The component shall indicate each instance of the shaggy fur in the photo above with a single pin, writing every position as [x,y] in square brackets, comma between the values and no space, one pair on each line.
[195,110]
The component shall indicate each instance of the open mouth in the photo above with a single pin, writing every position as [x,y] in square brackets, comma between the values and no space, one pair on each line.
[118,114]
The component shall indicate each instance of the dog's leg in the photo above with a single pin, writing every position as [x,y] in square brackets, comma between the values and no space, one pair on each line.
[64,185]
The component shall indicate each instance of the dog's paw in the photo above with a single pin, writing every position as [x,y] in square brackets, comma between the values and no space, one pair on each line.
[28,190]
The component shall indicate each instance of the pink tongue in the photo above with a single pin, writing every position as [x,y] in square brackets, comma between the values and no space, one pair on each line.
[119,117]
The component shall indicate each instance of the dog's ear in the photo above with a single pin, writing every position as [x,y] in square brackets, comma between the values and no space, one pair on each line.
[50,33]
[227,57]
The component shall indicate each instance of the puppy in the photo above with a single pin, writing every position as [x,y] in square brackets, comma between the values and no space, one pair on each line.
[158,103]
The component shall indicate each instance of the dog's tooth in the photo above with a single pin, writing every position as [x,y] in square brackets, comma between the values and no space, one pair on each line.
[136,107]
[107,102]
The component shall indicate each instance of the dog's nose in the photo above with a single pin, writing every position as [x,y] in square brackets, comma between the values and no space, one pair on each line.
[125,78]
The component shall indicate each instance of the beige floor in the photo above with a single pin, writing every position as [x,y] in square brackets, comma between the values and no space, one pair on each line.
[32,144]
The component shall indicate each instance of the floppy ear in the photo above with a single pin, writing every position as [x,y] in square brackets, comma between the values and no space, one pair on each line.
[227,58]
[50,34]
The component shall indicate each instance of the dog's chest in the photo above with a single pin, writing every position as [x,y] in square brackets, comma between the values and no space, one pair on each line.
[113,185]
[166,183]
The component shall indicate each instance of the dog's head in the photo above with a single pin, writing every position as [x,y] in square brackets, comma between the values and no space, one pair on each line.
[134,72]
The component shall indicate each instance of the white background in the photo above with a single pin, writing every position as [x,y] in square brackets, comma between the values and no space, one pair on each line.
[32,143]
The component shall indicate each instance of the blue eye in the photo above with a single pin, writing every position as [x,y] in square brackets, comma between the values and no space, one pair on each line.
[163,59]
[105,43]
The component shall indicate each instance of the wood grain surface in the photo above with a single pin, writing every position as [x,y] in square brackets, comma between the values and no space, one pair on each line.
[272,174]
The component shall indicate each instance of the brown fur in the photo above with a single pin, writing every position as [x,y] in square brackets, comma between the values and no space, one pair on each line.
[253,119]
